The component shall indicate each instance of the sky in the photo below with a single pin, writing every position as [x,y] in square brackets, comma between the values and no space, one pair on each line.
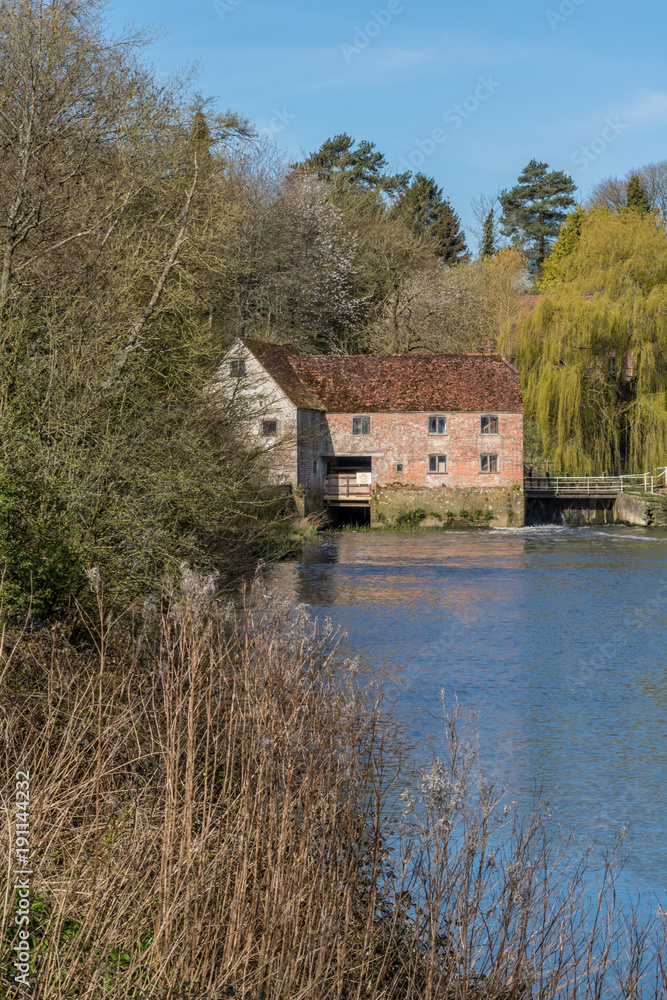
[466,93]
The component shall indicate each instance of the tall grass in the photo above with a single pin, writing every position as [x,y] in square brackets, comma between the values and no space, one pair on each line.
[214,812]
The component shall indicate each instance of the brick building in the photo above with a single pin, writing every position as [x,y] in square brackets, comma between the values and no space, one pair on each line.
[383,431]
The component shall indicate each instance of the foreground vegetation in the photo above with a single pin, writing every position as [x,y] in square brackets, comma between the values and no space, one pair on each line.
[217,808]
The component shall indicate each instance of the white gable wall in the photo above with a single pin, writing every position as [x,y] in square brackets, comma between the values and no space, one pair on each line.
[260,398]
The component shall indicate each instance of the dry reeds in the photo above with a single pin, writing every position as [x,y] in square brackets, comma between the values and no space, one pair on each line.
[214,812]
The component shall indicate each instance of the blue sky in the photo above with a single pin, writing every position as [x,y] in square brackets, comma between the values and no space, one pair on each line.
[467,93]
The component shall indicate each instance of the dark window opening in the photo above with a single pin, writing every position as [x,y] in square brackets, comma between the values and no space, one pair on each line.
[314,465]
[437,463]
[437,425]
[270,427]
[488,463]
[361,425]
[237,368]
[350,463]
[399,467]
[489,424]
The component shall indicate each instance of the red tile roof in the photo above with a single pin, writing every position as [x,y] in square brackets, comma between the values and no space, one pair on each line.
[373,383]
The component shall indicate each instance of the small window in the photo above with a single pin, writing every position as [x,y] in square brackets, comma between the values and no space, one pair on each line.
[488,463]
[437,463]
[489,424]
[361,425]
[237,368]
[399,467]
[437,425]
[314,465]
[269,427]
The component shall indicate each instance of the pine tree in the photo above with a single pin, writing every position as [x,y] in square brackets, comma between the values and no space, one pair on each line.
[429,215]
[489,236]
[535,208]
[337,161]
[635,196]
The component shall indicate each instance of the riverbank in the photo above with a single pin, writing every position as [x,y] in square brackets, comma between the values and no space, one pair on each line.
[215,811]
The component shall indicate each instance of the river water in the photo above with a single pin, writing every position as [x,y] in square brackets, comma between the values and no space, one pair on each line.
[556,637]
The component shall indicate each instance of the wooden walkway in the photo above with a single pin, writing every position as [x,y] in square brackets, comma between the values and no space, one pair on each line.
[595,487]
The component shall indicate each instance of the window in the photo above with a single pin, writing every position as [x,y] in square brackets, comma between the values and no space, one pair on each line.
[269,427]
[437,425]
[399,467]
[488,463]
[314,465]
[237,368]
[489,424]
[437,463]
[361,425]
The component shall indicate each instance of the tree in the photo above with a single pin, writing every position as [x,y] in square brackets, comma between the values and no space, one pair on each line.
[429,216]
[488,247]
[534,209]
[635,197]
[568,239]
[612,192]
[593,352]
[338,162]
[115,232]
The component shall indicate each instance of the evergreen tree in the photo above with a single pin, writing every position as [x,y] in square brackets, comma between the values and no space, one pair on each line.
[565,245]
[430,216]
[337,161]
[489,236]
[635,196]
[535,208]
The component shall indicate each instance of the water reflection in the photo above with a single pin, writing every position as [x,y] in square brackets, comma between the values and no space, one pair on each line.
[554,636]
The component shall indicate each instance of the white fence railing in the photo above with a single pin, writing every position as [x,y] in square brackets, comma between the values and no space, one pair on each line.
[595,486]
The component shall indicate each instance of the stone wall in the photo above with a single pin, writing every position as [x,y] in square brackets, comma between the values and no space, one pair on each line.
[504,505]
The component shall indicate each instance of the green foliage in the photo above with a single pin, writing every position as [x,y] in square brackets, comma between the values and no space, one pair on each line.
[635,196]
[428,215]
[593,354]
[489,248]
[337,161]
[411,518]
[39,542]
[535,208]
[568,238]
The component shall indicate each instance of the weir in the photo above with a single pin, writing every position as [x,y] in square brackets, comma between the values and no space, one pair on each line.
[578,500]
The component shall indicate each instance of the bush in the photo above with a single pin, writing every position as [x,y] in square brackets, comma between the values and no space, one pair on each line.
[215,808]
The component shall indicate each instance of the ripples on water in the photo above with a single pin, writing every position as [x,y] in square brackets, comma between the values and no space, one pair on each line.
[555,636]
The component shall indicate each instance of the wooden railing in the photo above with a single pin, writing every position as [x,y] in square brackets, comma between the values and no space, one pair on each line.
[594,486]
[344,488]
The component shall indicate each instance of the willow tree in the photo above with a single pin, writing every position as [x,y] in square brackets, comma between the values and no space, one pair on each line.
[593,353]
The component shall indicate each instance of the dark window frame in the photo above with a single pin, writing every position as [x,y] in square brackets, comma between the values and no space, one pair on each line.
[361,426]
[237,367]
[266,432]
[434,463]
[491,462]
[437,420]
[400,468]
[492,425]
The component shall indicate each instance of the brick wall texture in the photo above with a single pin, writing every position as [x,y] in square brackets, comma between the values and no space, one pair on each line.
[403,439]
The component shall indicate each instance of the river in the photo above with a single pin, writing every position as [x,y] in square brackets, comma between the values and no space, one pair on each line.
[556,637]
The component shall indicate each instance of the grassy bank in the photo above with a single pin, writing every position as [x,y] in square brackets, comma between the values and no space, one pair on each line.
[214,812]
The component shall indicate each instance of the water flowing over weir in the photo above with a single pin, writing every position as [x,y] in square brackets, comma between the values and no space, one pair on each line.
[555,637]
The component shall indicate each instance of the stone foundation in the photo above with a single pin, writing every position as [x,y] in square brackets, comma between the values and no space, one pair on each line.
[500,507]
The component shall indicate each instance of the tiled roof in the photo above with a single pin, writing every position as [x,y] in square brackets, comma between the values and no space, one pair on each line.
[276,360]
[373,383]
